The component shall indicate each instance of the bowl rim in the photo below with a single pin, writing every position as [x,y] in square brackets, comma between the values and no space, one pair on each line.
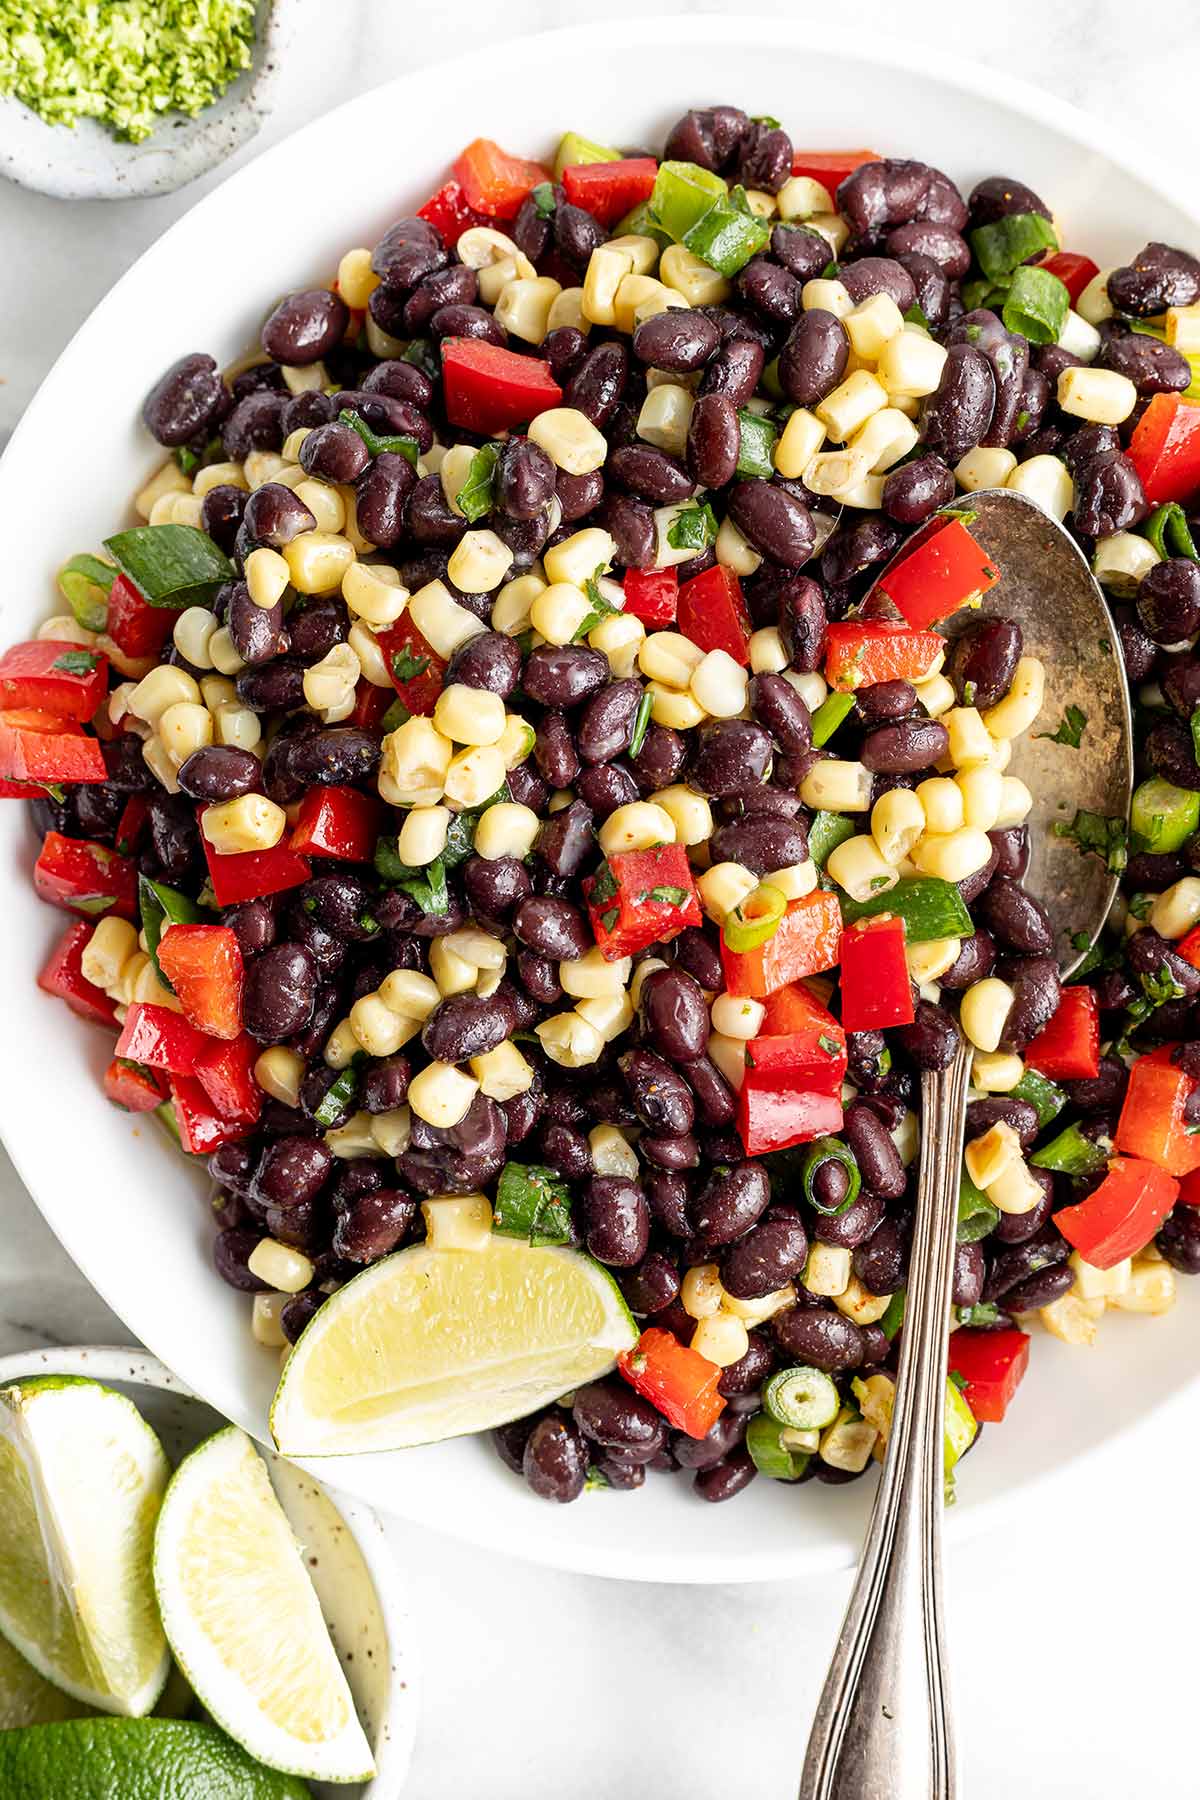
[106,1363]
[1059,118]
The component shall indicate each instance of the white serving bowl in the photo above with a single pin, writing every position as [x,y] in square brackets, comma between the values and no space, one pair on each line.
[350,1560]
[116,1193]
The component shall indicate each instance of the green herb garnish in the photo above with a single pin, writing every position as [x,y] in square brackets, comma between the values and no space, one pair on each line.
[1070,732]
[694,528]
[400,446]
[475,495]
[75,662]
[1098,836]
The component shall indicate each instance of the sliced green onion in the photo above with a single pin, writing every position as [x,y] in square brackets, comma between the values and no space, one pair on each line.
[1162,816]
[641,724]
[475,495]
[171,565]
[830,1149]
[982,293]
[1070,1153]
[984,1312]
[831,713]
[378,446]
[755,919]
[1168,525]
[959,1429]
[756,445]
[84,584]
[1036,305]
[977,1215]
[727,238]
[826,832]
[683,193]
[1038,1091]
[1001,247]
[930,907]
[803,1398]
[770,1453]
[337,1097]
[893,1318]
[532,1202]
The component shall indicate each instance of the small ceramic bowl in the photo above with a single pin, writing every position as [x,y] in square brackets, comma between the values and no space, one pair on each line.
[89,163]
[350,1562]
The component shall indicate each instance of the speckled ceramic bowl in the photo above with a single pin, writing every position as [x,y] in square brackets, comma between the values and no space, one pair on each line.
[350,1561]
[89,163]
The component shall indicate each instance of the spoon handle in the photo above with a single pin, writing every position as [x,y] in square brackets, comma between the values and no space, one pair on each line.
[883,1729]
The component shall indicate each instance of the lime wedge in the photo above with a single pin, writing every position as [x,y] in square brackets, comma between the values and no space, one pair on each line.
[244,1621]
[81,1479]
[429,1344]
[134,1759]
[27,1698]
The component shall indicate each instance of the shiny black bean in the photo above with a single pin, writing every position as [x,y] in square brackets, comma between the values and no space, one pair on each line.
[1152,366]
[279,994]
[460,320]
[903,748]
[175,835]
[674,1015]
[731,1201]
[819,1337]
[847,1230]
[185,401]
[631,523]
[651,474]
[1168,749]
[616,1220]
[326,1008]
[659,762]
[956,418]
[734,371]
[305,327]
[1004,1109]
[803,253]
[814,357]
[661,1098]
[380,496]
[886,701]
[1148,954]
[1041,1289]
[232,1167]
[939,243]
[335,452]
[565,840]
[576,234]
[973,962]
[764,157]
[858,546]
[670,1150]
[881,1260]
[1038,988]
[1137,650]
[566,1149]
[1159,276]
[253,924]
[772,1253]
[408,250]
[220,772]
[771,290]
[733,755]
[524,479]
[384,413]
[555,1459]
[969,1269]
[726,1434]
[1015,918]
[454,286]
[866,276]
[578,495]
[973,885]
[709,136]
[1168,600]
[374,1224]
[652,1285]
[231,1252]
[256,423]
[554,750]
[316,624]
[610,1413]
[335,756]
[800,608]
[1011,844]
[932,285]
[605,786]
[384,1084]
[494,887]
[221,512]
[1179,1240]
[725,1479]
[983,659]
[877,1157]
[714,1096]
[275,515]
[932,1038]
[999,195]
[761,844]
[292,1170]
[1181,687]
[1109,498]
[882,193]
[491,661]
[599,382]
[677,340]
[713,440]
[913,493]
[776,522]
[699,955]
[667,1197]
[466,1025]
[553,928]
[605,726]
[402,380]
[562,675]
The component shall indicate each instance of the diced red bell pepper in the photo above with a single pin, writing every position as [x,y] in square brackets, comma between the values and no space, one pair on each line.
[713,613]
[1152,1122]
[135,816]
[1120,1216]
[136,627]
[370,705]
[859,655]
[608,190]
[201,1128]
[678,1380]
[1072,269]
[449,212]
[203,963]
[1189,947]
[492,181]
[35,746]
[1068,1048]
[830,167]
[652,595]
[805,941]
[252,874]
[1165,449]
[946,570]
[876,985]
[641,897]
[225,1070]
[136,1089]
[772,1115]
[417,671]
[85,877]
[52,676]
[338,821]
[159,1038]
[488,389]
[992,1363]
[800,1045]
[22,790]
[62,975]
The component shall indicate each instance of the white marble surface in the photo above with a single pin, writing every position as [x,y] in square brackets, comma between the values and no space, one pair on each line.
[1072,1641]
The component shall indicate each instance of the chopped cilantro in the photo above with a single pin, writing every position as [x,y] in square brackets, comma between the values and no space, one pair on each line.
[1070,732]
[75,662]
[544,203]
[475,495]
[406,666]
[1101,836]
[695,528]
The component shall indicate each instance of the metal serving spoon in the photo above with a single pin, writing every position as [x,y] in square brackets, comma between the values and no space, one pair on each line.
[883,1729]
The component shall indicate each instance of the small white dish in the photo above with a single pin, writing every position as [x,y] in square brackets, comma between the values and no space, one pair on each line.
[350,1561]
[88,163]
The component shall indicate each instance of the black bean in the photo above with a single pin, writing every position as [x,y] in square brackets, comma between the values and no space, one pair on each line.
[1158,277]
[956,418]
[565,840]
[253,924]
[661,1098]
[408,250]
[721,1438]
[814,357]
[220,772]
[384,1085]
[674,1014]
[455,286]
[761,844]
[402,380]
[803,252]
[555,1460]
[554,750]
[847,1230]
[1167,747]
[764,157]
[175,835]
[774,521]
[221,512]
[652,1285]
[599,382]
[491,661]
[553,928]
[866,276]
[771,290]
[968,1274]
[562,675]
[335,756]
[1015,919]
[973,962]
[316,624]
[334,452]
[677,340]
[913,493]
[972,886]
[1041,1289]
[524,479]
[1011,844]
[877,1157]
[231,1252]
[857,547]
[905,747]
[713,440]
[1152,366]
[275,515]
[709,136]
[617,1220]
[1004,1109]
[384,413]
[279,994]
[374,1224]
[576,234]
[565,1149]
[999,195]
[932,288]
[1168,600]
[578,495]
[651,474]
[772,1253]
[185,401]
[727,1478]
[983,659]
[1179,1240]
[605,786]
[881,1260]
[733,755]
[461,320]
[610,1413]
[466,1025]
[380,495]
[305,327]
[819,1337]
[1037,986]
[734,371]
[256,423]
[932,1038]
[776,705]
[882,193]
[291,1171]
[731,1201]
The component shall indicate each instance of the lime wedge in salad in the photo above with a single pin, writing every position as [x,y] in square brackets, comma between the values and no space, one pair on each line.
[429,1344]
[81,1479]
[243,1617]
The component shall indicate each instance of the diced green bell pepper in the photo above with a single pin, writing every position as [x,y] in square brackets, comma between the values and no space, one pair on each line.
[575,149]
[683,193]
[726,238]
